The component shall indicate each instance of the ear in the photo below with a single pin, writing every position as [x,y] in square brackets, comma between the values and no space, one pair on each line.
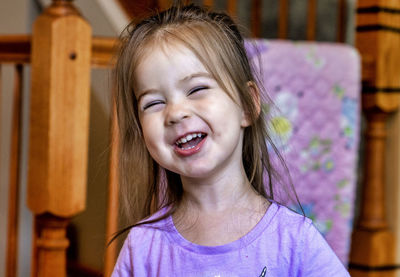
[255,96]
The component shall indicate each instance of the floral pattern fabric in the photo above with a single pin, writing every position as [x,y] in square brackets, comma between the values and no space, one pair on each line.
[314,121]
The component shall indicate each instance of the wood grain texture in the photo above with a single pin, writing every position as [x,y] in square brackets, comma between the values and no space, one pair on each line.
[59,122]
[16,49]
[14,179]
[59,128]
[373,240]
[381,3]
[380,54]
[50,246]
[103,51]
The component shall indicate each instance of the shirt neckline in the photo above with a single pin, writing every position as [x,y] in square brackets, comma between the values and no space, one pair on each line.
[254,233]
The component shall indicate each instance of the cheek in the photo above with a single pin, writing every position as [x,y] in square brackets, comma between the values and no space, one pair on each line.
[149,132]
[153,137]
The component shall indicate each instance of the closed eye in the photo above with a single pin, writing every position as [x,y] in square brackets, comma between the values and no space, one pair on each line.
[151,104]
[196,89]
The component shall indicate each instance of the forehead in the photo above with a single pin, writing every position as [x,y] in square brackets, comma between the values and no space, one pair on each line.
[172,53]
[175,60]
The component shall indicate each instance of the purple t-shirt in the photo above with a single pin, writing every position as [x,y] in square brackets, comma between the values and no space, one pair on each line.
[282,244]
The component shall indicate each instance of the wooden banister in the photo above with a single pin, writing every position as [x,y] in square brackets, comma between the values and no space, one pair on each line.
[378,40]
[15,49]
[59,126]
[103,51]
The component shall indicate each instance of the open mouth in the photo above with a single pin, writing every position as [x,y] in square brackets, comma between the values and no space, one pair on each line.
[190,141]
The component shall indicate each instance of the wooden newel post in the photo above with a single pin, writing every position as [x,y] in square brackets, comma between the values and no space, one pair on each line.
[378,25]
[59,123]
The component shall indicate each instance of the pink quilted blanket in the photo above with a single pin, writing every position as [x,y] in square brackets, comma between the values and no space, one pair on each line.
[314,121]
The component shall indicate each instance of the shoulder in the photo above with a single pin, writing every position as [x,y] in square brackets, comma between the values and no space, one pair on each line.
[297,229]
[140,243]
[304,246]
[286,221]
[145,233]
[288,228]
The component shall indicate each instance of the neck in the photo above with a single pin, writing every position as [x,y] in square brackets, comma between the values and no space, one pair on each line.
[218,212]
[219,193]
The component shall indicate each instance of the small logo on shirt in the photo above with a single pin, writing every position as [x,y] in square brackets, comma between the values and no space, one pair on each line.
[264,272]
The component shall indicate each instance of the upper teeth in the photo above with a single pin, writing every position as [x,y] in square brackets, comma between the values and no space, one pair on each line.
[188,138]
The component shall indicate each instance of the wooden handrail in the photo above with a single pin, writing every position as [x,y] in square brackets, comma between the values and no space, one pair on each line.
[103,51]
[16,49]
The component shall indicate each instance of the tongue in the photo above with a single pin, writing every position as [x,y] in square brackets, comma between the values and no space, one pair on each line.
[191,143]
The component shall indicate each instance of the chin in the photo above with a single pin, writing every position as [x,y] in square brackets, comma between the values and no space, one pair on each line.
[198,173]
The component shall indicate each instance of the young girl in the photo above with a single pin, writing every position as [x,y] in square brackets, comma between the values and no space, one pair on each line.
[194,158]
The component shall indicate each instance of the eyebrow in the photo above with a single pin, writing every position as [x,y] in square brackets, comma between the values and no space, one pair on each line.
[196,75]
[143,94]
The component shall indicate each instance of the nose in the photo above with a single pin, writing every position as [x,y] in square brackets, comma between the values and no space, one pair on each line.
[176,112]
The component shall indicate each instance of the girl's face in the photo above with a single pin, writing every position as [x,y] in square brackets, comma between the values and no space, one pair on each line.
[190,125]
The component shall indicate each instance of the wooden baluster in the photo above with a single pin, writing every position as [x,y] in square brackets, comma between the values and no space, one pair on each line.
[163,4]
[59,123]
[208,3]
[372,251]
[311,19]
[112,198]
[256,18]
[341,21]
[51,243]
[231,7]
[283,19]
[13,193]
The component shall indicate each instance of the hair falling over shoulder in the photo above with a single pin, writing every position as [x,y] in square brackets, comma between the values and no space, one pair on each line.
[216,41]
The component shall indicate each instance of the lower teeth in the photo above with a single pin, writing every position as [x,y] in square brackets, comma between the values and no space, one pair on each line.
[188,148]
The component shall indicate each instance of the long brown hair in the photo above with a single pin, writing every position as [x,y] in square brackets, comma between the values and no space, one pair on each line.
[216,41]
